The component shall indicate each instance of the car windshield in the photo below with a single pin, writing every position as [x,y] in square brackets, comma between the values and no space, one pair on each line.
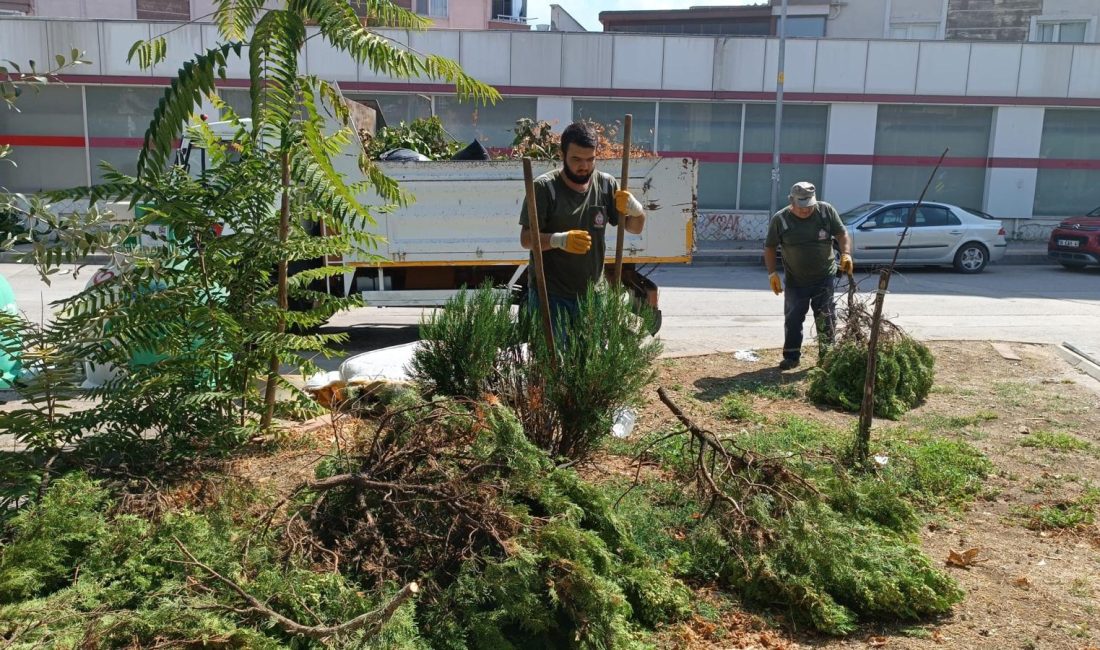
[858,212]
[1094,213]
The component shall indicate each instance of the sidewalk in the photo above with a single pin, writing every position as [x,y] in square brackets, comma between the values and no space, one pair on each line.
[751,253]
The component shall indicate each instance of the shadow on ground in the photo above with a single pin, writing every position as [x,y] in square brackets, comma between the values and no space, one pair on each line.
[710,389]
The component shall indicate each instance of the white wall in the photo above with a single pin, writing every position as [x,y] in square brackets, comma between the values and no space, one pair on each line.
[851,132]
[643,64]
[1017,133]
[858,19]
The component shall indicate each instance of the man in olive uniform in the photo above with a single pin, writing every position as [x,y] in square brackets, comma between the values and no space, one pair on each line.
[576,204]
[806,229]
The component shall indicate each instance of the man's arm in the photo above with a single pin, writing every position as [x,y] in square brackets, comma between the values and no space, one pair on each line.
[769,259]
[525,239]
[844,243]
[635,224]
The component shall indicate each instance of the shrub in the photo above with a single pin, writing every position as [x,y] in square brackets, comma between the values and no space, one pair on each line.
[424,135]
[903,376]
[604,358]
[461,343]
[50,538]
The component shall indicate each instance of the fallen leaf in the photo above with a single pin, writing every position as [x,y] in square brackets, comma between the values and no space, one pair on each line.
[962,559]
[1022,582]
[877,641]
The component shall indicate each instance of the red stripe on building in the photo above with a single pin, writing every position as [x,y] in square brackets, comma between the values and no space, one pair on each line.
[117,143]
[750,157]
[42,140]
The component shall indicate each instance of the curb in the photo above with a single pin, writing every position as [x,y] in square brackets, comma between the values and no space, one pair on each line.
[756,258]
[1080,360]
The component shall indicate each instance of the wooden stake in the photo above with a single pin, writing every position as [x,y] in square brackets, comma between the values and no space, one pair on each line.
[536,255]
[867,407]
[624,182]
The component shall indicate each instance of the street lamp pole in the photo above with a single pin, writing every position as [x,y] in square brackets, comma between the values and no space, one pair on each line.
[779,78]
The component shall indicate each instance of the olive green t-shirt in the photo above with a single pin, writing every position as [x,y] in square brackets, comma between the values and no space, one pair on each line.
[807,243]
[562,208]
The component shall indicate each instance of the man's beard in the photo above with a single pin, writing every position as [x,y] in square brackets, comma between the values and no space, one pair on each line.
[575,178]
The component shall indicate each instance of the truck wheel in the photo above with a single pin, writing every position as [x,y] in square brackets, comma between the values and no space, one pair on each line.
[657,320]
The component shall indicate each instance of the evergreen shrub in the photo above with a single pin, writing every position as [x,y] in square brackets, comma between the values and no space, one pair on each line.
[904,373]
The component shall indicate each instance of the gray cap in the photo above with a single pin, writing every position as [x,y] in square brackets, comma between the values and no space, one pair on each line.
[804,194]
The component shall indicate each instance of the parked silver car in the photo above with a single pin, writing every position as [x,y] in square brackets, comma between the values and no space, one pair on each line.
[940,234]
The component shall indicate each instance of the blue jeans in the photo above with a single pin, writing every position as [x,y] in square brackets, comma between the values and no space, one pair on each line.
[796,302]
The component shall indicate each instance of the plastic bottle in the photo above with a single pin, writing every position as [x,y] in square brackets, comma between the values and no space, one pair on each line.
[624,422]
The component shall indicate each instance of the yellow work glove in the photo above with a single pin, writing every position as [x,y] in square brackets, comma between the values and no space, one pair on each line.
[625,203]
[846,263]
[777,284]
[573,241]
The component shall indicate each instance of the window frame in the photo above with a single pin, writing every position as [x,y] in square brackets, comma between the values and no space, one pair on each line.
[908,26]
[1057,21]
[427,8]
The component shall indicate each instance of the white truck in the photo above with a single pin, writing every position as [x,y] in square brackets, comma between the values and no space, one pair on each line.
[463,227]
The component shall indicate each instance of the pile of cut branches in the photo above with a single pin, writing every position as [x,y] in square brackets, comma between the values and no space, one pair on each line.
[509,550]
[796,530]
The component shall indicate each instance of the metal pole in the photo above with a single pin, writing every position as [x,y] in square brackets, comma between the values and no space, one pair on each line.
[779,106]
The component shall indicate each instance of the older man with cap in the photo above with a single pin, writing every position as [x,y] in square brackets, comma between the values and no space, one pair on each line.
[806,230]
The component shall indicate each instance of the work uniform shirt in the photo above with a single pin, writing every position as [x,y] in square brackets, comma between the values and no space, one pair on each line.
[562,208]
[807,243]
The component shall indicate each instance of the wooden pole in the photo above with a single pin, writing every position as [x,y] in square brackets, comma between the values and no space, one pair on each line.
[867,407]
[624,182]
[536,255]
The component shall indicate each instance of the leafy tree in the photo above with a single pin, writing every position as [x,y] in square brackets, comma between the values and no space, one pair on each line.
[286,106]
[288,153]
[192,322]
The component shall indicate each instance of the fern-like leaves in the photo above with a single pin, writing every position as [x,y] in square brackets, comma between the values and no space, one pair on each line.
[234,17]
[194,81]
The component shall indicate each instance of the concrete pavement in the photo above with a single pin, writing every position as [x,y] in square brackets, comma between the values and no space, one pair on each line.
[724,309]
[750,253]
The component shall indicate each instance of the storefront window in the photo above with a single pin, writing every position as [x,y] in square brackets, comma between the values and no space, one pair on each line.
[909,131]
[1068,135]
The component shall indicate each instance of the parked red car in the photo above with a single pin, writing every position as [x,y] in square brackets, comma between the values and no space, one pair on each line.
[1075,243]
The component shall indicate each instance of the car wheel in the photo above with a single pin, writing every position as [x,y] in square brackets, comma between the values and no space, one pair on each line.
[1073,266]
[971,258]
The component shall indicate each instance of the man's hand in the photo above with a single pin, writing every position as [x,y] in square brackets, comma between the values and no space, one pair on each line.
[572,241]
[625,203]
[777,284]
[846,263]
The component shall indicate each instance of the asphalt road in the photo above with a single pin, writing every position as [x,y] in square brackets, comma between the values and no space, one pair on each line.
[724,309]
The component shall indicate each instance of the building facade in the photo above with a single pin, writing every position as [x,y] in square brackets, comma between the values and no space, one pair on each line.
[444,14]
[863,119]
[1018,21]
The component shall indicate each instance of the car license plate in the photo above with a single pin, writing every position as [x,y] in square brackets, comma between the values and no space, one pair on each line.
[1069,243]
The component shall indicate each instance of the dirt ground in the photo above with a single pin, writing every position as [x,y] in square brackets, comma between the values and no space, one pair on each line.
[1028,588]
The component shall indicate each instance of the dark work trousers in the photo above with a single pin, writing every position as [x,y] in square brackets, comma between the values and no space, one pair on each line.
[796,302]
[562,312]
